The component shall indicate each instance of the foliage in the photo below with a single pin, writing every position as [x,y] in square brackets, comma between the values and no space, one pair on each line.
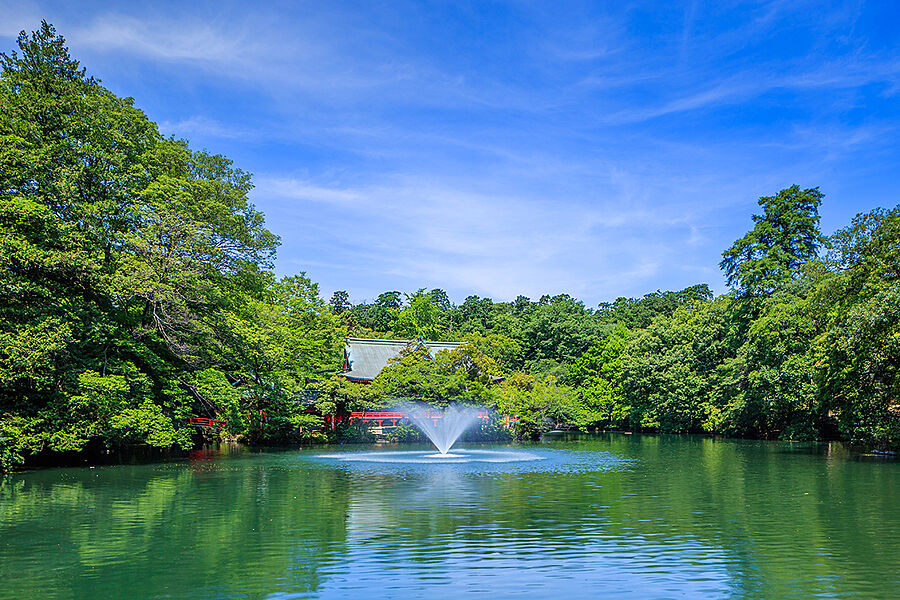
[487,432]
[669,370]
[355,433]
[135,289]
[597,373]
[336,395]
[280,340]
[601,361]
[340,302]
[600,405]
[785,236]
[422,317]
[560,329]
[407,433]
[637,313]
[767,389]
[381,315]
[504,351]
[539,403]
[463,375]
[285,422]
[858,354]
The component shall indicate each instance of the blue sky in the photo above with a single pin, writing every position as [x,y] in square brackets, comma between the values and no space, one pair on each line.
[599,149]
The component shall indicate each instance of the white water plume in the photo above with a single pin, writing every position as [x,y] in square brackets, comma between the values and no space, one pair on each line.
[443,427]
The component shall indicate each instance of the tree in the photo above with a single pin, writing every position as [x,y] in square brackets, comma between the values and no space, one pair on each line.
[785,236]
[382,315]
[670,369]
[340,302]
[768,388]
[283,339]
[559,329]
[120,250]
[601,360]
[539,403]
[858,354]
[475,314]
[637,313]
[390,300]
[463,375]
[506,352]
[440,299]
[422,317]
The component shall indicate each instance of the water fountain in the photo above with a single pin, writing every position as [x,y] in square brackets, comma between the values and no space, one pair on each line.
[444,428]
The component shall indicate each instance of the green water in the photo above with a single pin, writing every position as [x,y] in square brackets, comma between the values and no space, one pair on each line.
[610,516]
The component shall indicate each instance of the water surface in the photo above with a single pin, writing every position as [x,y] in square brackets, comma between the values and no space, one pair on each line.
[614,515]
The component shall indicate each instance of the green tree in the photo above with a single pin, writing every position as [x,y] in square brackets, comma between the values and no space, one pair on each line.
[422,317]
[474,315]
[278,344]
[637,313]
[440,298]
[539,403]
[785,236]
[597,374]
[382,314]
[340,302]
[670,369]
[506,352]
[858,354]
[463,375]
[768,388]
[601,361]
[119,252]
[559,329]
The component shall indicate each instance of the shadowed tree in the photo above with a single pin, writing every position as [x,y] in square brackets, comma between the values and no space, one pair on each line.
[340,302]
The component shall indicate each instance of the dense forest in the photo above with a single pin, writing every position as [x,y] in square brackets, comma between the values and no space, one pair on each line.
[137,291]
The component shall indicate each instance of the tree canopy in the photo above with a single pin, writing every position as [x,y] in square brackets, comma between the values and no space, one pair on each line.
[135,275]
[784,237]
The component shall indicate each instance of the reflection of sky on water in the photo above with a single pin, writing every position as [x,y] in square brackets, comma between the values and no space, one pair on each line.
[493,523]
[481,460]
[458,456]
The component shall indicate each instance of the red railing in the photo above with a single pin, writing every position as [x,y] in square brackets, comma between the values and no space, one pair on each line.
[204,422]
[395,416]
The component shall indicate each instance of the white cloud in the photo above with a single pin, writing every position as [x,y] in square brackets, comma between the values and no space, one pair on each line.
[295,189]
[171,40]
[427,233]
[200,126]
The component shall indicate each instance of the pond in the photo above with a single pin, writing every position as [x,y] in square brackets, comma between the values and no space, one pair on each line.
[625,516]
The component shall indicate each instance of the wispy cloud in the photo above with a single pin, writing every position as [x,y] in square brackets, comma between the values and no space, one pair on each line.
[599,150]
[205,127]
[414,231]
[295,189]
[165,39]
[746,86]
[286,58]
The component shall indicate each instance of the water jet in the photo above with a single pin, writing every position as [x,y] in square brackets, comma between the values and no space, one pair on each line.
[443,428]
